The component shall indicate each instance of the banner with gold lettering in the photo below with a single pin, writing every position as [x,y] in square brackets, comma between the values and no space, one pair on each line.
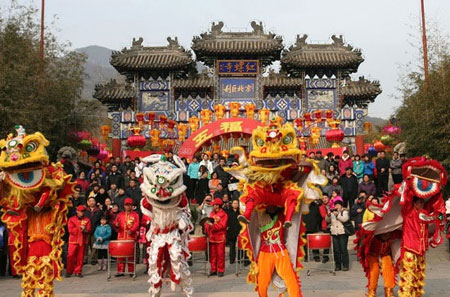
[217,128]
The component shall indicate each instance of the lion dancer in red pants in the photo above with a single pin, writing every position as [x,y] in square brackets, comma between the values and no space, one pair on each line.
[217,231]
[79,228]
[127,225]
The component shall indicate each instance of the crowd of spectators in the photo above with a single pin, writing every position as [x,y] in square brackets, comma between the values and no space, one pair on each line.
[352,181]
[101,193]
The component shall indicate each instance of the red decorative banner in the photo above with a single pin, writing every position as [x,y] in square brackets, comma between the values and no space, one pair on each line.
[217,128]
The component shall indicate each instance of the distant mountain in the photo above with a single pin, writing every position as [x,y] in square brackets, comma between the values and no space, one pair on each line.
[376,121]
[97,68]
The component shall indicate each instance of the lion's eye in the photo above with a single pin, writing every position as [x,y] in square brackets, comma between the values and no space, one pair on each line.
[287,139]
[259,142]
[12,143]
[160,180]
[31,147]
[174,181]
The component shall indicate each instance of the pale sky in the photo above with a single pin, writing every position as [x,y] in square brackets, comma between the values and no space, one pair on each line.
[381,28]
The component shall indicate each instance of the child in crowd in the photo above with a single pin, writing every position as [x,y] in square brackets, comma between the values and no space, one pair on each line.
[102,236]
[334,197]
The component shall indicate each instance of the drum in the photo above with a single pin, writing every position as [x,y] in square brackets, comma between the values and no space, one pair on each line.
[319,241]
[197,243]
[121,248]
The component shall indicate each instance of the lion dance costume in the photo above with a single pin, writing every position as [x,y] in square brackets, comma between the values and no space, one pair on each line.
[167,206]
[34,196]
[398,232]
[273,177]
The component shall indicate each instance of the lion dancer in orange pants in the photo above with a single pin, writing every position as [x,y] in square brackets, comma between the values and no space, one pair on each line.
[273,254]
[380,251]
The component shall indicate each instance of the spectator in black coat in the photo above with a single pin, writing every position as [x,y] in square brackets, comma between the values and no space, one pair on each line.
[221,173]
[76,200]
[382,165]
[349,184]
[120,198]
[233,229]
[115,177]
[220,191]
[94,214]
[202,188]
[127,165]
[134,192]
[357,211]
[313,222]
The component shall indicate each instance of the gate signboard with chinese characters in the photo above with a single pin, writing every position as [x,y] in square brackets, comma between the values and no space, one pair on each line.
[217,128]
[234,89]
[238,67]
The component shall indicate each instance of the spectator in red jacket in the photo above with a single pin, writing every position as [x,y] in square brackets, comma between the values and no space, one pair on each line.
[79,228]
[217,233]
[344,162]
[127,226]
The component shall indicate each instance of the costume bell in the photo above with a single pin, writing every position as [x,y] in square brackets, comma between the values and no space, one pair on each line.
[79,229]
[127,226]
[217,232]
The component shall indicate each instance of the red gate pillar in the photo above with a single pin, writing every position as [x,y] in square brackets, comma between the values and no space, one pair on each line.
[359,142]
[116,147]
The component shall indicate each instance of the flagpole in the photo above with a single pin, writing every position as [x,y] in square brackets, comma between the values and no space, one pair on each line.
[42,29]
[424,43]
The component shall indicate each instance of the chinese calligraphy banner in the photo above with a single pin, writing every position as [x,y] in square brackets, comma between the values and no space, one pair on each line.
[237,67]
[216,128]
[231,88]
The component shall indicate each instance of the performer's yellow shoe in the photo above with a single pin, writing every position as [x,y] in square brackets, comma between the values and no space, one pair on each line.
[371,293]
[388,292]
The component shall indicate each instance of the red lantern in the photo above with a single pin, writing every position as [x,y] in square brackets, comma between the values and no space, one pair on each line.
[335,136]
[318,114]
[162,119]
[299,123]
[307,117]
[379,146]
[136,141]
[329,114]
[140,117]
[151,117]
[171,124]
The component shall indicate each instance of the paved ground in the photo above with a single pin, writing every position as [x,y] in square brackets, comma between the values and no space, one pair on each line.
[323,284]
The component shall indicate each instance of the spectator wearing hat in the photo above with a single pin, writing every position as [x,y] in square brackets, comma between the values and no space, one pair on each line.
[79,229]
[217,233]
[127,226]
[337,217]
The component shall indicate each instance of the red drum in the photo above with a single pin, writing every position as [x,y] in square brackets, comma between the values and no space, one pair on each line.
[319,241]
[197,243]
[121,248]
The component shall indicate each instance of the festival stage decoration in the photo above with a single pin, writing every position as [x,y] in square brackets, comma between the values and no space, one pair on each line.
[270,177]
[34,195]
[166,204]
[424,180]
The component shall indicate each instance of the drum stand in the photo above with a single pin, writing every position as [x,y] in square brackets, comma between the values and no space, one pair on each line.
[126,263]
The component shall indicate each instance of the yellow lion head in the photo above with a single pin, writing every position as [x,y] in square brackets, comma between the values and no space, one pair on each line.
[24,152]
[274,147]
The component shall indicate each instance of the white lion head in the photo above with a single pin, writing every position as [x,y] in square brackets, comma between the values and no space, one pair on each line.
[163,181]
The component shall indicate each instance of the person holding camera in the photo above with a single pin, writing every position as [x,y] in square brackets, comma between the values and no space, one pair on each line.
[337,216]
[357,211]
